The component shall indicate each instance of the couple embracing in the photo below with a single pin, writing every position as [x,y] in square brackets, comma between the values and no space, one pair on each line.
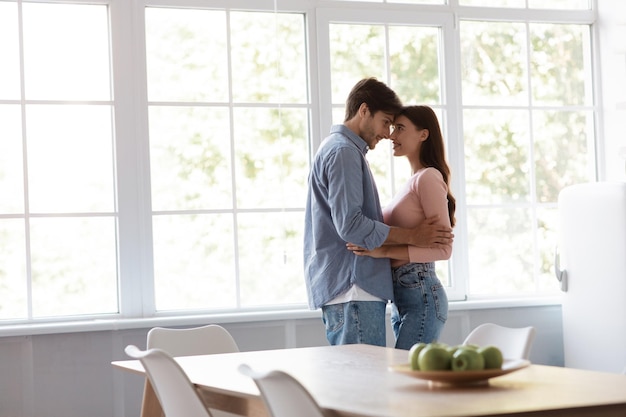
[359,256]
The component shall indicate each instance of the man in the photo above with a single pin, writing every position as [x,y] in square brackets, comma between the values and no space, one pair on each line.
[343,206]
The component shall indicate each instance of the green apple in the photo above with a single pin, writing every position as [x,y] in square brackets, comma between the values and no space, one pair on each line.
[467,359]
[434,357]
[492,356]
[452,349]
[414,355]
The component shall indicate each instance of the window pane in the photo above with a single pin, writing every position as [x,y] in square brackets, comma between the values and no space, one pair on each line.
[382,164]
[11,166]
[494,64]
[268,57]
[501,252]
[560,74]
[270,250]
[9,51]
[339,113]
[12,269]
[497,146]
[271,157]
[75,274]
[70,158]
[186,55]
[414,57]
[357,51]
[58,63]
[563,151]
[194,264]
[380,160]
[190,158]
[547,238]
[503,258]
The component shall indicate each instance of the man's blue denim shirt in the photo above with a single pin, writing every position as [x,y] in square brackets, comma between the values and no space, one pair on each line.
[343,206]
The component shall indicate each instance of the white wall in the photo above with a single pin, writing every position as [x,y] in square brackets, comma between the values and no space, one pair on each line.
[70,374]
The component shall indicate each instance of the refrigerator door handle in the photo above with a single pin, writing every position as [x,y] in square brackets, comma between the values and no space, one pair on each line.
[561,274]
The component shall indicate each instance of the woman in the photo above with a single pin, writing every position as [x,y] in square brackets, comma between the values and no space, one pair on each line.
[420,308]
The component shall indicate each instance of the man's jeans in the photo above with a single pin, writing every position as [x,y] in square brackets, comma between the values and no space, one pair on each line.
[420,309]
[355,322]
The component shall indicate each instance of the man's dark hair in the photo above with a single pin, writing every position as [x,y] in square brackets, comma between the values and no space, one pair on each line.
[375,94]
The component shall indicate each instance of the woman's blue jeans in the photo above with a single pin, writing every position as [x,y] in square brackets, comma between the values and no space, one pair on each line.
[420,309]
[355,322]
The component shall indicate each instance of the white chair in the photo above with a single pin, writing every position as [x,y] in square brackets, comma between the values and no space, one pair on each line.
[514,342]
[176,393]
[282,394]
[203,340]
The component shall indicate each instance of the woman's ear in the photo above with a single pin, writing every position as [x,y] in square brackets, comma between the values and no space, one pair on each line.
[424,134]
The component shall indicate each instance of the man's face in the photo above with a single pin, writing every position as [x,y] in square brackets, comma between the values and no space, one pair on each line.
[375,127]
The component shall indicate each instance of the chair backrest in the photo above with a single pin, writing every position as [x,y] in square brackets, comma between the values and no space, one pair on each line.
[514,342]
[177,395]
[282,394]
[202,340]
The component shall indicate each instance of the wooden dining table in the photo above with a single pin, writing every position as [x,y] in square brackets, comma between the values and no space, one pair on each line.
[359,381]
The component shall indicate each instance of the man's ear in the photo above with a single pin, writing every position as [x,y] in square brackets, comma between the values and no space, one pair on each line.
[363,109]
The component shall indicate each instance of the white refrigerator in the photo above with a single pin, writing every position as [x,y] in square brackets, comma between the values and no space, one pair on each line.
[591,265]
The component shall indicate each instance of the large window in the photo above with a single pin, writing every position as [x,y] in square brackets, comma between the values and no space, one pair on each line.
[57,170]
[157,163]
[229,138]
[528,131]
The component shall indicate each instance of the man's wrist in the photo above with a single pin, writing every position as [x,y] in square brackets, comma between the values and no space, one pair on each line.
[400,236]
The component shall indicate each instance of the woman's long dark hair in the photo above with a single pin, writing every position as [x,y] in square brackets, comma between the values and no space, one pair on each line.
[432,152]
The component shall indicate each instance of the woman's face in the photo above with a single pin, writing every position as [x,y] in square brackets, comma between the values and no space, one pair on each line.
[406,137]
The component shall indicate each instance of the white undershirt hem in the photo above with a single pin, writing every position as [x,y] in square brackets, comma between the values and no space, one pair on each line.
[354,293]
